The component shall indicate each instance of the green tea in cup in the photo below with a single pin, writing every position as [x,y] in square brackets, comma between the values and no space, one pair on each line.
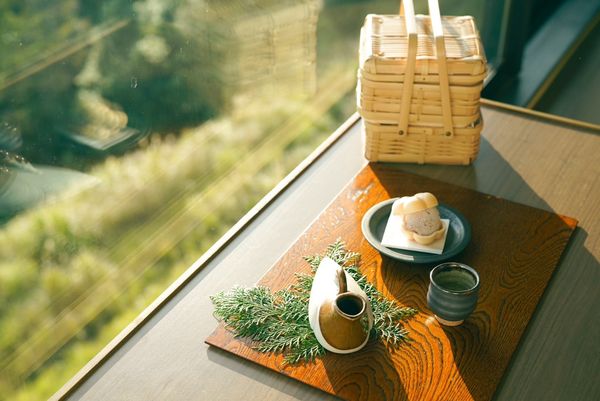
[453,292]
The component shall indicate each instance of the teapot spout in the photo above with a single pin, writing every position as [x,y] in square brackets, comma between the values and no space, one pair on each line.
[350,306]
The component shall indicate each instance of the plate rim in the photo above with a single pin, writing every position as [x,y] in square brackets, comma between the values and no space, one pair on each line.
[420,259]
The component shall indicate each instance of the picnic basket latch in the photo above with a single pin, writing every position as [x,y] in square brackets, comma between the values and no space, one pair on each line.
[440,47]
[407,10]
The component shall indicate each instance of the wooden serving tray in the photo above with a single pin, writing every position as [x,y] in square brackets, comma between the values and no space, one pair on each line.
[515,249]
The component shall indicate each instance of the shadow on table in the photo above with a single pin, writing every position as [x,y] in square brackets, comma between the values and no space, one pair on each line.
[367,375]
[261,374]
[371,376]
[532,364]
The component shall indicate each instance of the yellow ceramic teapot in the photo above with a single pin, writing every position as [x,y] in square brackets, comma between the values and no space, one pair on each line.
[339,311]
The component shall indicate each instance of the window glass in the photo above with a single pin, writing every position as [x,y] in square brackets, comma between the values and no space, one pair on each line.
[134,134]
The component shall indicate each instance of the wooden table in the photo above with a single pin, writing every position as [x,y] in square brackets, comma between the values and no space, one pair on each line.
[527,158]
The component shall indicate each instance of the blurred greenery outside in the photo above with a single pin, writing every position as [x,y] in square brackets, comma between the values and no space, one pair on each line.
[194,110]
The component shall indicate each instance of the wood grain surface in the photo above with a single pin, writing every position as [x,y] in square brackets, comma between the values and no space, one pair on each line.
[515,248]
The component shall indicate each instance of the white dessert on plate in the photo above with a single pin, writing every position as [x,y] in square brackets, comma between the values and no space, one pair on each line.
[420,219]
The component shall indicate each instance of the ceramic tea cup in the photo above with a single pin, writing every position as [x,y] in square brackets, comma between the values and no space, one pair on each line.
[453,292]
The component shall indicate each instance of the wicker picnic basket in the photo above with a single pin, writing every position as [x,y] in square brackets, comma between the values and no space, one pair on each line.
[419,84]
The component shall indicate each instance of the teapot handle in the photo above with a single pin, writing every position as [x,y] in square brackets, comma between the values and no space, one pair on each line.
[341,276]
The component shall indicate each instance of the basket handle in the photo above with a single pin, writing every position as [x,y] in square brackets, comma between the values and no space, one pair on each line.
[440,46]
[408,10]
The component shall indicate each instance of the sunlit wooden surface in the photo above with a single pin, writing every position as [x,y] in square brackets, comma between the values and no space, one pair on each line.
[523,158]
[515,249]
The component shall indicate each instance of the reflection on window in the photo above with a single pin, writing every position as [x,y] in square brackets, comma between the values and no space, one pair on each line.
[132,136]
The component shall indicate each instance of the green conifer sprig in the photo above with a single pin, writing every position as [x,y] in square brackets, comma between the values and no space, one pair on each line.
[279,322]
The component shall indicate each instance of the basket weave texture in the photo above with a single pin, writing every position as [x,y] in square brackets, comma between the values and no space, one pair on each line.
[420,107]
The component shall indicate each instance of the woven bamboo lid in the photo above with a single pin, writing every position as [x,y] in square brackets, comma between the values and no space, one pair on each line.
[384,46]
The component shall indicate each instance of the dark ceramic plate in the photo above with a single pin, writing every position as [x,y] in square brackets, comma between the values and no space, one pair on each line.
[459,234]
